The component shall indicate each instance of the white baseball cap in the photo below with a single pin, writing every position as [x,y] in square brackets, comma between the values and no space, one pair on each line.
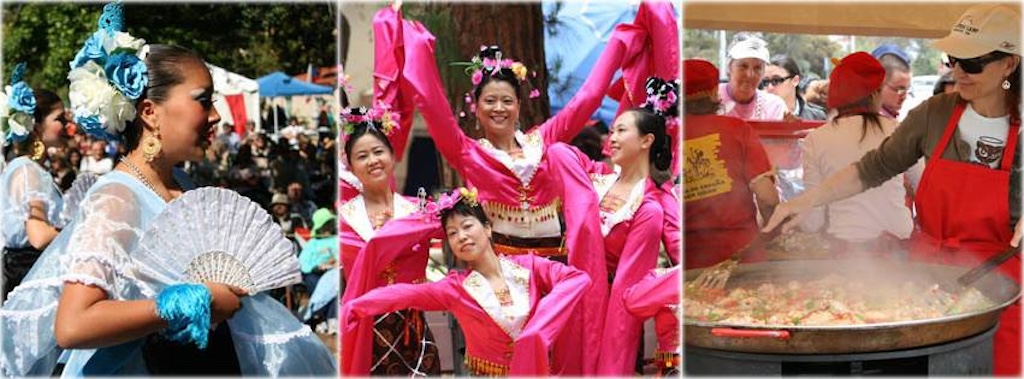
[982,29]
[751,47]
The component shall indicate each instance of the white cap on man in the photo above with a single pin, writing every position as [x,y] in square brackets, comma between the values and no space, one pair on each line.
[749,47]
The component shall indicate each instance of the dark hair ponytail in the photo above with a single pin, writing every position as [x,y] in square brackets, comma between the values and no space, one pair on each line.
[164,70]
[652,118]
[46,101]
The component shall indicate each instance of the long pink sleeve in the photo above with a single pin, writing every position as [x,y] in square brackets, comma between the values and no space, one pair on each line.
[388,64]
[396,237]
[565,287]
[654,293]
[653,296]
[357,313]
[639,255]
[657,53]
[424,80]
[671,234]
[576,351]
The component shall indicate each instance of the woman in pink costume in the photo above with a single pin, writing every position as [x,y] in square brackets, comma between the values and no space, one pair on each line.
[529,181]
[382,346]
[631,215]
[511,308]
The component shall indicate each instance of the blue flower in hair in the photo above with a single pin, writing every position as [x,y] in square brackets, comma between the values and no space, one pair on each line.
[21,98]
[128,73]
[16,119]
[108,76]
[92,50]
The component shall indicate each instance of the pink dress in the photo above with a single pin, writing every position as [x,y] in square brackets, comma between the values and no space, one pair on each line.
[549,291]
[657,295]
[632,243]
[395,253]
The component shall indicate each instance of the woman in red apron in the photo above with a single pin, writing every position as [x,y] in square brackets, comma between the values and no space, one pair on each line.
[969,198]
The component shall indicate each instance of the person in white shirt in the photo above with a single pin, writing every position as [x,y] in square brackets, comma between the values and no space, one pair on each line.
[875,221]
[96,162]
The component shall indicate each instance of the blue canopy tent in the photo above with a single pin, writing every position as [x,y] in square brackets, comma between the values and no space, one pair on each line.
[278,84]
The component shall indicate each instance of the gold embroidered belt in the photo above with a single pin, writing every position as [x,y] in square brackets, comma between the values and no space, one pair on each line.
[483,367]
[543,246]
[666,359]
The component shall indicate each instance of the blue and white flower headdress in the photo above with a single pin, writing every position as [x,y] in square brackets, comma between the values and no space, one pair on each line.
[108,76]
[17,107]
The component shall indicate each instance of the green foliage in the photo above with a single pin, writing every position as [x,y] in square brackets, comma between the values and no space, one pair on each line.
[924,58]
[252,39]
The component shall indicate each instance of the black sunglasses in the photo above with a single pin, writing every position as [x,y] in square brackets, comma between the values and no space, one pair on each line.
[973,65]
[774,81]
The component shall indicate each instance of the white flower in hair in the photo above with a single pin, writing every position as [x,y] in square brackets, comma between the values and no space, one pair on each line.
[122,40]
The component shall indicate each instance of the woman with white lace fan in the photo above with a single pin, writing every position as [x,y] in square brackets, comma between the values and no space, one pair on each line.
[30,201]
[399,343]
[106,289]
[510,308]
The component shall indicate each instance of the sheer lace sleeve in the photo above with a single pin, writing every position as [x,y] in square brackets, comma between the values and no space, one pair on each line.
[107,229]
[24,184]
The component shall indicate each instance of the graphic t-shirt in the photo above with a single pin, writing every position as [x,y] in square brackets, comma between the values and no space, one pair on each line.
[986,136]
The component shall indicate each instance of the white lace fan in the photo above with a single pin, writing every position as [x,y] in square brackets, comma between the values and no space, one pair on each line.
[216,235]
[73,198]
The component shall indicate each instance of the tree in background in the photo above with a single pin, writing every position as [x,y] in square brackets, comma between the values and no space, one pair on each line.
[252,39]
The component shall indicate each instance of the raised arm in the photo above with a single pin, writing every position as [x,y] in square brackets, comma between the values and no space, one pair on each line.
[637,47]
[423,81]
[388,63]
[565,287]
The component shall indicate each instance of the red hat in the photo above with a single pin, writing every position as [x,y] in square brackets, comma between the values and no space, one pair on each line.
[855,77]
[700,78]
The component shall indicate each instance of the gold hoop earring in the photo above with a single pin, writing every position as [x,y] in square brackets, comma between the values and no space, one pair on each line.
[150,148]
[37,149]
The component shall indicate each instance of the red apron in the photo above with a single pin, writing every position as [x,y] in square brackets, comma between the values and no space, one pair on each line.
[965,218]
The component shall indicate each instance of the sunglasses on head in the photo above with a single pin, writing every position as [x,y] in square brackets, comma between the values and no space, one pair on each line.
[773,81]
[973,65]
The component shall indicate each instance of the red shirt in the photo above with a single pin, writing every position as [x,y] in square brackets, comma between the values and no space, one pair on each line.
[722,155]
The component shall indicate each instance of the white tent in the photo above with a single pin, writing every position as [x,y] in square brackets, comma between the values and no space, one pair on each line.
[226,83]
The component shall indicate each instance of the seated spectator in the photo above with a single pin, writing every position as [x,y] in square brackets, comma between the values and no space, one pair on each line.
[320,255]
[279,210]
[97,161]
[298,203]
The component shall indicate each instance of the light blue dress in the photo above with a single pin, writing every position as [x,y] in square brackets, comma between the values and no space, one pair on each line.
[96,249]
[22,182]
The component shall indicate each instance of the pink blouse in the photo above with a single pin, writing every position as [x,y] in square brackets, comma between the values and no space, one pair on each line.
[554,290]
[658,296]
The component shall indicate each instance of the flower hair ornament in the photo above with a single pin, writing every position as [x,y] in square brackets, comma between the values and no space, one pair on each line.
[662,97]
[108,76]
[18,107]
[447,201]
[490,61]
[379,117]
